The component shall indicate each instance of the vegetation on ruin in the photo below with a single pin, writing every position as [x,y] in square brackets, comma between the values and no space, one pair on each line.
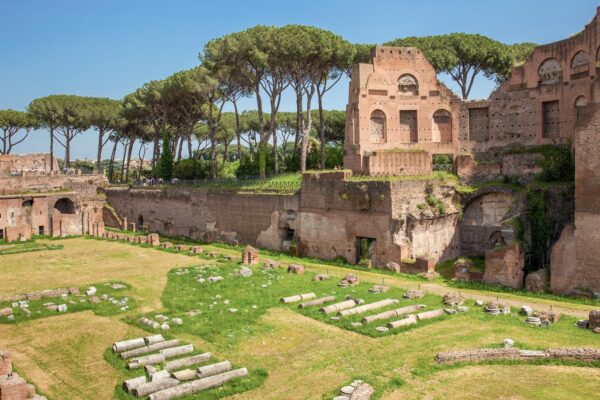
[557,163]
[439,177]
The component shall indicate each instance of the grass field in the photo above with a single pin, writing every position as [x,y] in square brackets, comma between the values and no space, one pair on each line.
[305,355]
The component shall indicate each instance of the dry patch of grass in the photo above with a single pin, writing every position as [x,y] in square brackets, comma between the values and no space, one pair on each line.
[514,382]
[63,355]
[83,261]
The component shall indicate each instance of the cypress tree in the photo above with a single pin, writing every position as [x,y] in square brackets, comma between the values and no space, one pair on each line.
[165,163]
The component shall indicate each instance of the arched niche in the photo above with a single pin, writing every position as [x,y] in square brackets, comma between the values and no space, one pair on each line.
[408,85]
[65,206]
[550,72]
[441,129]
[378,126]
[580,104]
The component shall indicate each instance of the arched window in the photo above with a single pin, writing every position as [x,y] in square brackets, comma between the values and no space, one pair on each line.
[550,72]
[27,203]
[441,130]
[580,65]
[580,59]
[580,104]
[65,206]
[378,126]
[408,85]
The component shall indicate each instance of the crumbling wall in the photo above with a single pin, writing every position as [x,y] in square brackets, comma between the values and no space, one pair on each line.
[587,206]
[209,215]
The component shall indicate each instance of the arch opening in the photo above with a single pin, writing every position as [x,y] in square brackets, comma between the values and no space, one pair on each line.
[65,206]
[550,72]
[378,126]
[408,85]
[441,130]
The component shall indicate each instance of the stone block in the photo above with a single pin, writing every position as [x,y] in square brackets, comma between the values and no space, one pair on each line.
[563,267]
[504,266]
[537,281]
[250,255]
[5,362]
[295,269]
[594,319]
[13,387]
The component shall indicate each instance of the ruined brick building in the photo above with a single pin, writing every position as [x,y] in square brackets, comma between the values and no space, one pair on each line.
[37,199]
[398,116]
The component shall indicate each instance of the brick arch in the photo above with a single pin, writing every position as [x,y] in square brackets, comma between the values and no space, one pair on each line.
[550,71]
[408,85]
[65,206]
[378,126]
[441,127]
[483,217]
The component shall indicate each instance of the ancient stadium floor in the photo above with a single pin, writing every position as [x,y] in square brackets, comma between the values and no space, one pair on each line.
[304,357]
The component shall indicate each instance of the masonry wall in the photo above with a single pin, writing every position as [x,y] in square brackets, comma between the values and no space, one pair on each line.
[208,214]
[587,206]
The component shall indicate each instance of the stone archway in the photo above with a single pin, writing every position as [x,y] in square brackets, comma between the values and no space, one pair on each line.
[65,206]
[481,225]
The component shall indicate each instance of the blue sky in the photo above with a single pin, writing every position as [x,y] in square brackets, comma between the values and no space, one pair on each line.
[111,47]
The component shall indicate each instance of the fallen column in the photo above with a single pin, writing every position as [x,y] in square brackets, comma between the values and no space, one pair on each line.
[133,383]
[213,369]
[398,312]
[298,297]
[430,314]
[410,320]
[338,306]
[153,387]
[149,349]
[177,351]
[199,385]
[160,375]
[184,375]
[150,340]
[367,307]
[146,360]
[125,345]
[316,302]
[188,361]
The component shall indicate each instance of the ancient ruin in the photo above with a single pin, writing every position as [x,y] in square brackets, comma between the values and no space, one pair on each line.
[35,200]
[450,222]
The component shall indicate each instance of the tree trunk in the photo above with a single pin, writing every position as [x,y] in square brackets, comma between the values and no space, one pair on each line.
[321,130]
[275,155]
[262,150]
[213,155]
[237,131]
[225,153]
[51,149]
[111,167]
[125,147]
[299,123]
[180,140]
[99,154]
[155,150]
[68,149]
[190,151]
[129,159]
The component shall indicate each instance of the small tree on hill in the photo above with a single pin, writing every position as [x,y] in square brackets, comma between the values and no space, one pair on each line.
[165,163]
